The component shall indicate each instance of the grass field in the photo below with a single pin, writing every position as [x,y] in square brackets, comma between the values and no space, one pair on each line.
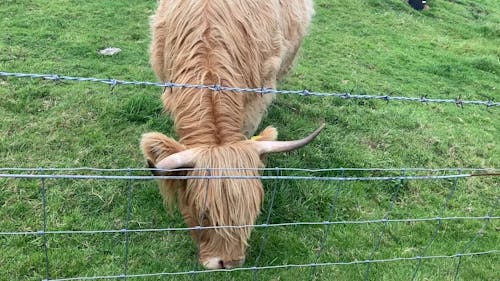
[357,46]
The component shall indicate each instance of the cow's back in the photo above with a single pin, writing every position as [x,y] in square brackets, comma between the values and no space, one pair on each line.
[248,44]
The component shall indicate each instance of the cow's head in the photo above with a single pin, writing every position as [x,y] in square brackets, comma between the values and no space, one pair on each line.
[230,201]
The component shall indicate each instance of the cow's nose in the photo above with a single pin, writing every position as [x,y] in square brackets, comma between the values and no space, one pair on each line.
[218,263]
[214,263]
[232,263]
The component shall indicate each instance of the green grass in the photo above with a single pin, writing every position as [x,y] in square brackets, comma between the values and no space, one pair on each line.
[361,46]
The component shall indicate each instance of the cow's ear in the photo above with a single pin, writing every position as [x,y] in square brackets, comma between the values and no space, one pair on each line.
[268,134]
[157,146]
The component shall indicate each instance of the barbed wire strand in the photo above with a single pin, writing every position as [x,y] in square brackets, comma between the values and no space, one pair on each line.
[114,82]
[479,234]
[438,225]
[285,266]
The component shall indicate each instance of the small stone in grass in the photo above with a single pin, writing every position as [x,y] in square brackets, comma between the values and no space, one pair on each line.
[110,51]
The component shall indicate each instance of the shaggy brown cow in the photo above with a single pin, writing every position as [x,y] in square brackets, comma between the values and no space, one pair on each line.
[249,43]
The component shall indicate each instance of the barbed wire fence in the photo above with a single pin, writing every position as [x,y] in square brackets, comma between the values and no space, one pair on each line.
[115,82]
[339,180]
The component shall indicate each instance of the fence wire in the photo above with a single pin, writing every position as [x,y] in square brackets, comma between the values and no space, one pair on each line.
[115,82]
[340,180]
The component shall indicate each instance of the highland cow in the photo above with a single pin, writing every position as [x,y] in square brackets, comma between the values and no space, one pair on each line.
[249,43]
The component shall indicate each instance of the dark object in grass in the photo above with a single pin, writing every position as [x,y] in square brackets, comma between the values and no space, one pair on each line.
[418,4]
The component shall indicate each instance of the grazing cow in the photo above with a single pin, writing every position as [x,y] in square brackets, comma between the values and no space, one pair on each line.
[238,43]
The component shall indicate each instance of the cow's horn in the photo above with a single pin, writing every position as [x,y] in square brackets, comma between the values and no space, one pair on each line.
[264,147]
[183,159]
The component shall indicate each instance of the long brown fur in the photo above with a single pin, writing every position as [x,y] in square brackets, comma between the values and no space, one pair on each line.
[237,43]
[225,202]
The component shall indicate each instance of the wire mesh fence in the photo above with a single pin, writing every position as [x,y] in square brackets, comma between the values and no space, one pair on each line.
[59,227]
